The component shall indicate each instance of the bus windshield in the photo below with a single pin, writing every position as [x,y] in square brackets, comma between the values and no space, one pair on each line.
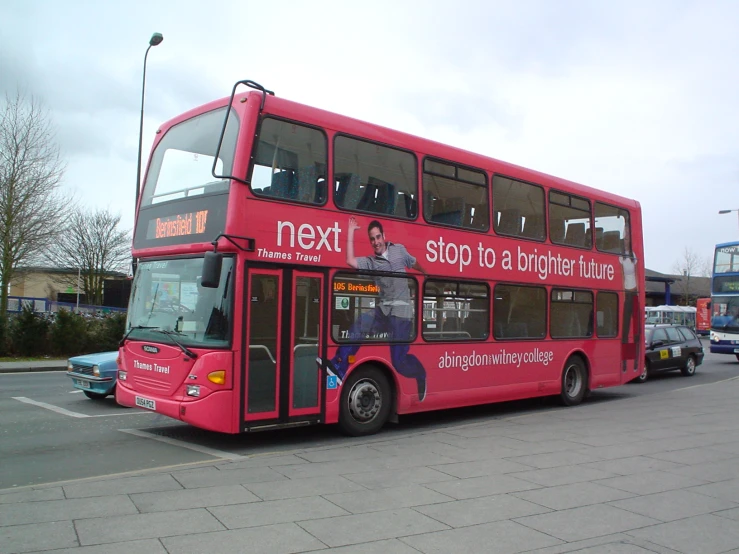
[167,298]
[182,162]
[725,314]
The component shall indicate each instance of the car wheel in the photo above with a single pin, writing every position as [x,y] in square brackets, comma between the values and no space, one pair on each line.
[94,395]
[689,368]
[574,382]
[366,401]
[644,375]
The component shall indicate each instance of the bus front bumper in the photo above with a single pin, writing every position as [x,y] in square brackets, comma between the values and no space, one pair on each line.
[212,412]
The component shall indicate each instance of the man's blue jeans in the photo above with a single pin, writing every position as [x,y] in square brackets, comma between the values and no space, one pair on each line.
[397,328]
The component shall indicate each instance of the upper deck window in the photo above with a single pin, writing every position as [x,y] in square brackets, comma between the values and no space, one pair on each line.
[569,220]
[370,177]
[183,160]
[453,195]
[727,259]
[518,208]
[612,229]
[289,162]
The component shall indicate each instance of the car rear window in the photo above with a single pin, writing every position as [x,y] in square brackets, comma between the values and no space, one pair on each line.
[687,333]
[673,335]
[659,334]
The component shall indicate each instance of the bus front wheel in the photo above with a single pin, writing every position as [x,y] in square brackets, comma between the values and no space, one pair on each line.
[574,382]
[366,401]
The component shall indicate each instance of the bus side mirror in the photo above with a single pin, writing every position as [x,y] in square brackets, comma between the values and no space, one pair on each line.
[211,277]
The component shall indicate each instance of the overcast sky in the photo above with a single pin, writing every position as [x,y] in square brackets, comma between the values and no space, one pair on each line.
[639,98]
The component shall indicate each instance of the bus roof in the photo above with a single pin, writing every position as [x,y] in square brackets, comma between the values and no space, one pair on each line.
[322,118]
[725,244]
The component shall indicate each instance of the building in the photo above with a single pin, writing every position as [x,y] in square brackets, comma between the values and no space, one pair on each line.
[60,285]
[664,289]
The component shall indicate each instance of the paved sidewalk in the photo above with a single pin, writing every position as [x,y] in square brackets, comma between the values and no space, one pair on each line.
[39,365]
[654,473]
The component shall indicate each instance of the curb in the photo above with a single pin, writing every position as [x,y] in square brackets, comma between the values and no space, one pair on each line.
[31,369]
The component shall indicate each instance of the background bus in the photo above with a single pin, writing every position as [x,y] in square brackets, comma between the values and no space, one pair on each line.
[725,300]
[703,316]
[509,283]
[679,315]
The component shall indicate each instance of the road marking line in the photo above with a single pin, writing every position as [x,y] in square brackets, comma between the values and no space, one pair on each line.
[182,444]
[75,391]
[70,413]
[27,373]
[49,407]
[706,384]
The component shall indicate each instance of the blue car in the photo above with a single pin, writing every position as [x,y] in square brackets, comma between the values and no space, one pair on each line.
[94,374]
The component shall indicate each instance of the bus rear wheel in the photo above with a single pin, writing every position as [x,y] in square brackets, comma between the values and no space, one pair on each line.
[574,382]
[366,401]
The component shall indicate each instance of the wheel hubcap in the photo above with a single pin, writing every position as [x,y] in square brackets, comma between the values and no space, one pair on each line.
[573,381]
[364,400]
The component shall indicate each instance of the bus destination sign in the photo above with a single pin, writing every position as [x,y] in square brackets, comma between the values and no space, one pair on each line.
[191,223]
[197,219]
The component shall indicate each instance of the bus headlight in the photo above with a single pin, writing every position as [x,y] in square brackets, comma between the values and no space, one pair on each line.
[193,390]
[122,375]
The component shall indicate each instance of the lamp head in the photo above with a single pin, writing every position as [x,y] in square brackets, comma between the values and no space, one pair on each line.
[725,211]
[156,39]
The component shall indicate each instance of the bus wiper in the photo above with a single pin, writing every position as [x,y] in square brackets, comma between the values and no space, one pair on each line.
[123,340]
[184,349]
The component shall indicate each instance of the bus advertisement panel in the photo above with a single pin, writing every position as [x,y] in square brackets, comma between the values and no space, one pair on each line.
[725,300]
[703,316]
[283,282]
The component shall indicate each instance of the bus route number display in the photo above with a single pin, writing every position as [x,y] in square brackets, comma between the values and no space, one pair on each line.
[179,225]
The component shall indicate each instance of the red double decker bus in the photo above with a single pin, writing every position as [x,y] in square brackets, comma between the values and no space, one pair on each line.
[297,267]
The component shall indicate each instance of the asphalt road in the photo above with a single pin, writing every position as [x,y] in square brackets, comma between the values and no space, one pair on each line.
[49,433]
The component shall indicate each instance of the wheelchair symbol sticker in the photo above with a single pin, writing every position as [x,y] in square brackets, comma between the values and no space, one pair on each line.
[331,382]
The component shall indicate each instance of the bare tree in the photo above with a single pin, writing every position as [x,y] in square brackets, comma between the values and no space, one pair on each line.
[31,203]
[92,243]
[691,265]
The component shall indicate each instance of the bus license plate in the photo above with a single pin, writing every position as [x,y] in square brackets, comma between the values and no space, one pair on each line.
[142,402]
[82,383]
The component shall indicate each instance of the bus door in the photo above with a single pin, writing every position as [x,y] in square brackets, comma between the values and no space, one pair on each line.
[282,377]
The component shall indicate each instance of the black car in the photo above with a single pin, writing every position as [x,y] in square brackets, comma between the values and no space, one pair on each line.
[670,347]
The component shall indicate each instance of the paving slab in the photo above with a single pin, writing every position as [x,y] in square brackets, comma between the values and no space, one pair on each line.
[475,511]
[586,522]
[707,534]
[276,511]
[37,536]
[285,538]
[503,537]
[65,510]
[186,499]
[362,528]
[145,526]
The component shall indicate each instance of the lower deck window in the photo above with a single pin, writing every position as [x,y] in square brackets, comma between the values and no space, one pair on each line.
[373,308]
[572,314]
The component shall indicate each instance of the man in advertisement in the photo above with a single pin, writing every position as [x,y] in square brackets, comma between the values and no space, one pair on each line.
[393,313]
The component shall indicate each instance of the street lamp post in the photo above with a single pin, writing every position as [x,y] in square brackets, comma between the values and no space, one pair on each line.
[155,40]
[729,211]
